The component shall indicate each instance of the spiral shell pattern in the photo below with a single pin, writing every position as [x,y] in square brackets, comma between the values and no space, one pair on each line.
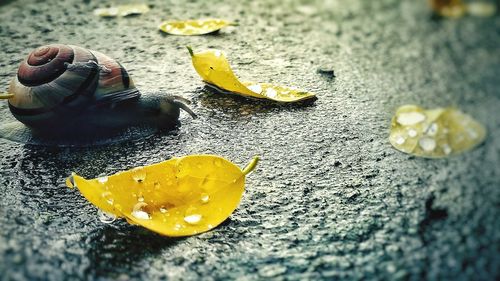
[57,82]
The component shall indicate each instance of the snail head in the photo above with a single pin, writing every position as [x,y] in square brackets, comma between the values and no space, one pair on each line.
[166,110]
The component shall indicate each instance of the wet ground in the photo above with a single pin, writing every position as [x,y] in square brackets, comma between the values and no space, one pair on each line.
[330,199]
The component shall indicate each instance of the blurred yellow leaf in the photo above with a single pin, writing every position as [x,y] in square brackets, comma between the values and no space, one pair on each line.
[448,8]
[193,27]
[481,9]
[178,197]
[122,10]
[434,133]
[215,70]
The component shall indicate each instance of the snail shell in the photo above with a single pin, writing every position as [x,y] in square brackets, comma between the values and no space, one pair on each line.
[62,81]
[72,92]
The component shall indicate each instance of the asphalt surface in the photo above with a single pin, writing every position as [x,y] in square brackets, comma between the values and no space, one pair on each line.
[331,199]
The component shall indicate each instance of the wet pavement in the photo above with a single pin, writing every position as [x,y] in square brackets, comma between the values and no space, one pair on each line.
[331,199]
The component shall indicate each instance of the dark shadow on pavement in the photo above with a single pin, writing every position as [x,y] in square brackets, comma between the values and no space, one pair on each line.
[114,250]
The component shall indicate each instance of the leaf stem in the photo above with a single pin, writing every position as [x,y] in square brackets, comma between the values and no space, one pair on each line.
[251,166]
[190,50]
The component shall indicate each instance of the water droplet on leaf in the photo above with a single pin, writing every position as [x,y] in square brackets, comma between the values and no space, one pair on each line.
[272,93]
[218,162]
[102,180]
[412,133]
[410,118]
[108,196]
[446,149]
[427,144]
[205,198]
[106,217]
[400,140]
[139,211]
[139,174]
[256,88]
[193,219]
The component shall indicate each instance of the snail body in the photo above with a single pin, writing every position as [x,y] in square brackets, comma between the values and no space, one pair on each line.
[69,92]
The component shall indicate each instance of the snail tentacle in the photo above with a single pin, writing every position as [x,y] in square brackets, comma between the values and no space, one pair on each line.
[181,102]
[184,107]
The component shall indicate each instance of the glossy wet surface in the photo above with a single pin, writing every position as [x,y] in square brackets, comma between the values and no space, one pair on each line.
[330,197]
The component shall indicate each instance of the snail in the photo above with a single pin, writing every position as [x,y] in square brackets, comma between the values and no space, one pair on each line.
[69,94]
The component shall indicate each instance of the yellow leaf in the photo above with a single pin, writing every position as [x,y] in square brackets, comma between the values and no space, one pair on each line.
[178,197]
[122,10]
[481,9]
[448,8]
[193,27]
[214,69]
[434,133]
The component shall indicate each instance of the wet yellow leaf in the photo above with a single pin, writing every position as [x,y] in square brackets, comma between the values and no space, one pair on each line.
[122,10]
[214,69]
[448,8]
[178,197]
[193,27]
[434,133]
[481,9]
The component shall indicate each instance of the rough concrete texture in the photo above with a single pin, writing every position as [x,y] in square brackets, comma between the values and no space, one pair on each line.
[331,198]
